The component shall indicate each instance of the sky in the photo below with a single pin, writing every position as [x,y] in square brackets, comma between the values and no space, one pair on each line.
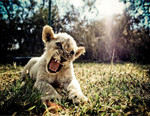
[109,7]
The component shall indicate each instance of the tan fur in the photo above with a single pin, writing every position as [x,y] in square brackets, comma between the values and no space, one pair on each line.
[37,67]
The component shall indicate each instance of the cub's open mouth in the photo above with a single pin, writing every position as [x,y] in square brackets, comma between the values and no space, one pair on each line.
[55,66]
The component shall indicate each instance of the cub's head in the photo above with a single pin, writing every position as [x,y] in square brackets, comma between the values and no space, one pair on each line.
[61,49]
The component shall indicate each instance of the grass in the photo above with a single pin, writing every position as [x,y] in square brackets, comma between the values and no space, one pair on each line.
[119,89]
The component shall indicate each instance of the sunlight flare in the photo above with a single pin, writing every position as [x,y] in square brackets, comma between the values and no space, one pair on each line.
[109,7]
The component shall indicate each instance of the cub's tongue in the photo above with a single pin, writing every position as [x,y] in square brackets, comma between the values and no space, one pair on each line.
[54,65]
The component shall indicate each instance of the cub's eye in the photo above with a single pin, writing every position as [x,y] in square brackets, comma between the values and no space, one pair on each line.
[72,52]
[59,44]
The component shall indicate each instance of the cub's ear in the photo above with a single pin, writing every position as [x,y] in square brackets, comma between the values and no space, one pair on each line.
[80,50]
[47,34]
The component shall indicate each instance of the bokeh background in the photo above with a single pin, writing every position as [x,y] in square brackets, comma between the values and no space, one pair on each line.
[110,30]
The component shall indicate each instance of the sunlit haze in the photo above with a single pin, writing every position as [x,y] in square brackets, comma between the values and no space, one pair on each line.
[105,8]
[102,9]
[109,7]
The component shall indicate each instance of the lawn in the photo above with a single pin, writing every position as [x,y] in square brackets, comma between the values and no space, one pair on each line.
[119,89]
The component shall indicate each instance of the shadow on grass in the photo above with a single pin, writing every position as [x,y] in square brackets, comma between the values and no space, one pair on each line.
[20,99]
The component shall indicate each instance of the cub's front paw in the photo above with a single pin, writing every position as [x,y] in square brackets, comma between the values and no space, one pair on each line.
[52,98]
[77,97]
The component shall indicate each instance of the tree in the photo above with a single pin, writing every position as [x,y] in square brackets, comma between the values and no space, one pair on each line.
[139,10]
[12,16]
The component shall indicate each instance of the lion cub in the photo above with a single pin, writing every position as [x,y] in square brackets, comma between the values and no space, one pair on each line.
[55,66]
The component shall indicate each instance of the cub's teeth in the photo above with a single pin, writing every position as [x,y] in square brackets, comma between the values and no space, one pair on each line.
[57,61]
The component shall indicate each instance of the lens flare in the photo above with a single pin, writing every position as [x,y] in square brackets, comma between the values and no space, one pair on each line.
[109,7]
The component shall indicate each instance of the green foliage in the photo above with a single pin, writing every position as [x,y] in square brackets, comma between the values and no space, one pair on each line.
[119,89]
[139,10]
[20,98]
[116,36]
[15,24]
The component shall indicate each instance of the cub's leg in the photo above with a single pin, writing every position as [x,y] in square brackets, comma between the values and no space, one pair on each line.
[75,93]
[47,91]
[28,66]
